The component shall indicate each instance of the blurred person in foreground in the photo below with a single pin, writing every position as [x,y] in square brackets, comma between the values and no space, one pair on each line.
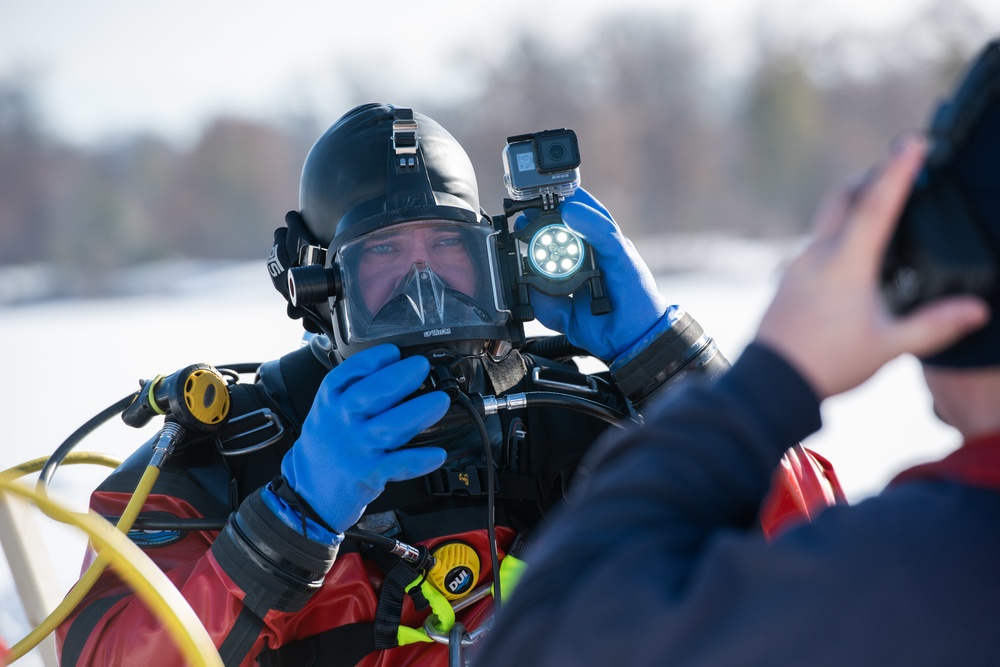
[406,315]
[654,561]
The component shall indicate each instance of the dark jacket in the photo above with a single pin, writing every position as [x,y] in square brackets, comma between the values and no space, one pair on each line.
[656,561]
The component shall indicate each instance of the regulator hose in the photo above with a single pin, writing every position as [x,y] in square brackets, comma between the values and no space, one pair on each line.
[53,462]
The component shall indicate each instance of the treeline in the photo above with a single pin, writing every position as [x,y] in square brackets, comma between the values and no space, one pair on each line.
[667,144]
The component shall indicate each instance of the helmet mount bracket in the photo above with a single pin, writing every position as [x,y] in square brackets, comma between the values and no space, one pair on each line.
[407,182]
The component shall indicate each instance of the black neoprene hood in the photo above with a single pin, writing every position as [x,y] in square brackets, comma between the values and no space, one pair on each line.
[348,185]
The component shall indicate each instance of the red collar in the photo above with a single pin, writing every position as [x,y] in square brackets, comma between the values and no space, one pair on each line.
[975,463]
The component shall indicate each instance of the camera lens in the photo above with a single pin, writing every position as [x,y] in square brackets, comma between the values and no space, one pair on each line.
[556,150]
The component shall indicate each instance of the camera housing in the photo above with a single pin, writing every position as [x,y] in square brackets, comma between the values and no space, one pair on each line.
[542,164]
[938,248]
[942,244]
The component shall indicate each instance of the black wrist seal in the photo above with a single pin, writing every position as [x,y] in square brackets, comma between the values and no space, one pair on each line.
[276,566]
[677,354]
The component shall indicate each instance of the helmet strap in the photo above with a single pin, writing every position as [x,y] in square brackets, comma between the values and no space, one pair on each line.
[407,181]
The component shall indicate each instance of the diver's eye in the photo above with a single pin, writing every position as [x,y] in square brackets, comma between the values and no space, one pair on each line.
[380,249]
[453,241]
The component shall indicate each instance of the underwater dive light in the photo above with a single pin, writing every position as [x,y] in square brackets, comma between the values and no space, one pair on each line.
[556,252]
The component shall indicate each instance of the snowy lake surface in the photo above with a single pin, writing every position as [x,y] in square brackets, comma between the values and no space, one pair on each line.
[65,361]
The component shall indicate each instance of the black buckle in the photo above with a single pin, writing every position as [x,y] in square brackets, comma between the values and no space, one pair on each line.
[404,132]
[464,482]
[249,433]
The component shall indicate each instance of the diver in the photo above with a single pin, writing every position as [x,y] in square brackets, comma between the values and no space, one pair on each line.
[372,495]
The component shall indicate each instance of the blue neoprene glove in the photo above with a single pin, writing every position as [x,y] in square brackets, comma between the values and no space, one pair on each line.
[348,449]
[636,305]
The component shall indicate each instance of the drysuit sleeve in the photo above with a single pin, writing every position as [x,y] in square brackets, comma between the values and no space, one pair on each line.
[245,583]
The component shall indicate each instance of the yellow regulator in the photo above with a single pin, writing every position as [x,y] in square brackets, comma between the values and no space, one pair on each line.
[196,397]
[456,569]
[206,396]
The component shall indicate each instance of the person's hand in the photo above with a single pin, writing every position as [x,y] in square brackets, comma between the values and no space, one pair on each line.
[636,305]
[828,319]
[349,447]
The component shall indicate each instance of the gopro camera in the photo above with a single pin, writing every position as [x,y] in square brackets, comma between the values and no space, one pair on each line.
[542,164]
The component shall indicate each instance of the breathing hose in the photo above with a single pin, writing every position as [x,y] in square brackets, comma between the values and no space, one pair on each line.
[74,458]
[52,462]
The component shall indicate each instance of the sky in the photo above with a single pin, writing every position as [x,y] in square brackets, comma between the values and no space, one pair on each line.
[105,67]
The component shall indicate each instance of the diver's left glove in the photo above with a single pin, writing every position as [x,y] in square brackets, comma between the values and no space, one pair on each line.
[636,305]
[279,545]
[350,442]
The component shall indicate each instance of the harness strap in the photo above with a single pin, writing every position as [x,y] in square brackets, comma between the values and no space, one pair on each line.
[390,604]
[344,646]
[469,481]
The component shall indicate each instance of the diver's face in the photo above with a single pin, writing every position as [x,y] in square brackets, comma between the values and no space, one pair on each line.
[386,259]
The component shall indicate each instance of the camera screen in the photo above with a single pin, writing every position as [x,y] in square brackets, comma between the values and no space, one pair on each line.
[525,161]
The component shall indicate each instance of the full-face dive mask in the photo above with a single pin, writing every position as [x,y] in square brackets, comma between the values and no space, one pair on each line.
[419,283]
[390,244]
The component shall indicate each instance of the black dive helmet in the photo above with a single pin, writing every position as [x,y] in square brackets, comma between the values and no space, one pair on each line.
[390,244]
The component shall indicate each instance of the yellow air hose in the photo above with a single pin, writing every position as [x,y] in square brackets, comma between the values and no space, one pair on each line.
[151,585]
[34,465]
[154,600]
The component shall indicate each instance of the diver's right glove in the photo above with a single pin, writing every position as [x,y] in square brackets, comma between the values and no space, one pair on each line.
[637,305]
[349,446]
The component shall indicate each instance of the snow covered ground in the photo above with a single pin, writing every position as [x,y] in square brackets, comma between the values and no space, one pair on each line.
[62,362]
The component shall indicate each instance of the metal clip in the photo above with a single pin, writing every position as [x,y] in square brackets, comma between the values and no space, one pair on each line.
[404,136]
[311,254]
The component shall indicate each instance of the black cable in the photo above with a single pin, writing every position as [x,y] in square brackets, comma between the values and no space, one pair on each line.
[185,524]
[557,348]
[368,537]
[455,648]
[174,523]
[490,495]
[58,456]
[244,367]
